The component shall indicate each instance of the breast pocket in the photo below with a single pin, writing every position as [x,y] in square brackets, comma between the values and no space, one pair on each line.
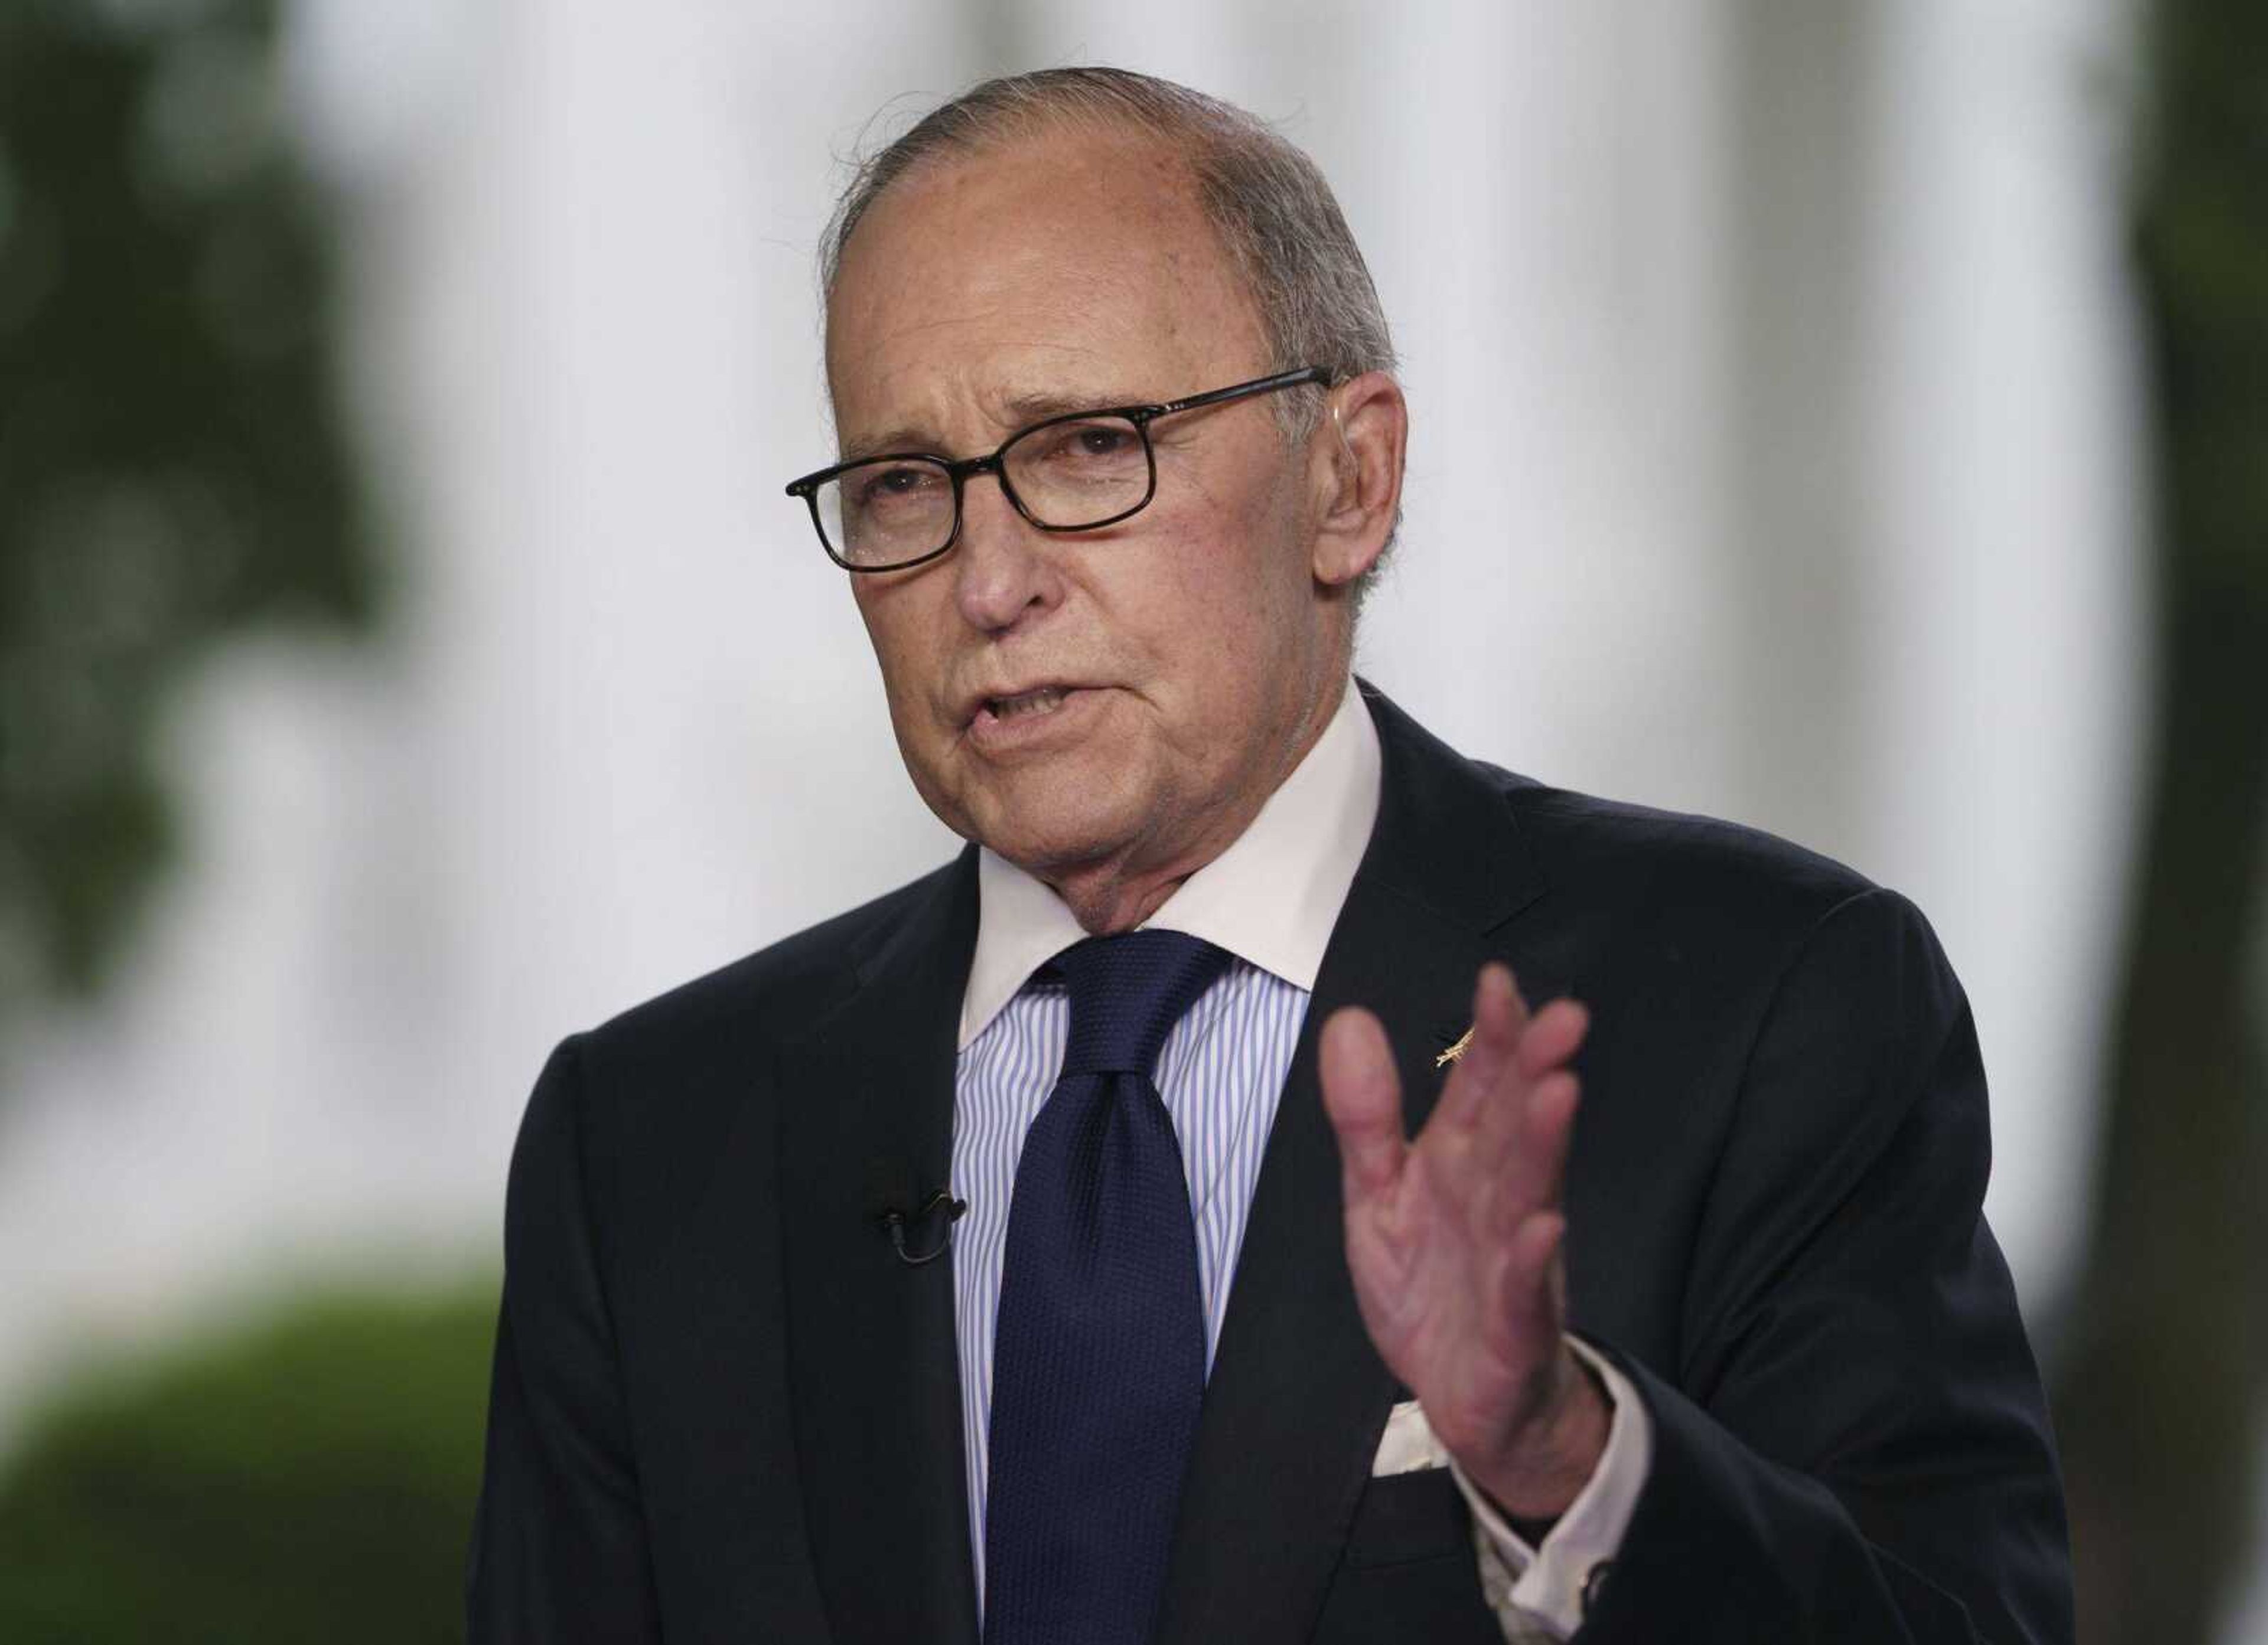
[1404,1517]
[1409,1573]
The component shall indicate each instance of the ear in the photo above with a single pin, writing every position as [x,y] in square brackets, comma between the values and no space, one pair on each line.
[1356,466]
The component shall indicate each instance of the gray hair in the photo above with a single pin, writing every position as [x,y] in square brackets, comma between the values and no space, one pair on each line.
[1268,202]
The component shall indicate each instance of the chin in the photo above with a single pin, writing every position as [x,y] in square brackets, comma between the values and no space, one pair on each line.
[1045,843]
[1062,820]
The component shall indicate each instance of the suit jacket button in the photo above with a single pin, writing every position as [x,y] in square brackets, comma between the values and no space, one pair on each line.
[1595,1583]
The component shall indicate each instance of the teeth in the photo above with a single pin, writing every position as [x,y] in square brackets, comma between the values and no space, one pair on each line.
[1046,699]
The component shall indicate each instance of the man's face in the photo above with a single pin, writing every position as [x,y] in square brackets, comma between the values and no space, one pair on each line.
[1117,701]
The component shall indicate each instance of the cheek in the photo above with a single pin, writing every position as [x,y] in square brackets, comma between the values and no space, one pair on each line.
[896,628]
[1241,583]
[1220,624]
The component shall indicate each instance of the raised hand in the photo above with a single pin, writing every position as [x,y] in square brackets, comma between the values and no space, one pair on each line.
[1453,1240]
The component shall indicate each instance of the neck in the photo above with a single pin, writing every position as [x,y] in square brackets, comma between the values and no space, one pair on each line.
[1103,905]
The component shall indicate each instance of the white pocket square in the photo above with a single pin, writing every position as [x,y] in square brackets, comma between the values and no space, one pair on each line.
[1408,1444]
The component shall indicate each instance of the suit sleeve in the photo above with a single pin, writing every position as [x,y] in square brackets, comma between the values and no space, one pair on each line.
[559,1541]
[1855,1447]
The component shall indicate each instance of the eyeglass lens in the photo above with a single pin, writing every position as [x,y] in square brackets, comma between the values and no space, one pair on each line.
[1066,475]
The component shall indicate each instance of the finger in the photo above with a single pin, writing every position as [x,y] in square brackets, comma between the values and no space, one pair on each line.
[1499,1019]
[1555,1033]
[1534,1163]
[1551,1037]
[1362,1095]
[1531,1309]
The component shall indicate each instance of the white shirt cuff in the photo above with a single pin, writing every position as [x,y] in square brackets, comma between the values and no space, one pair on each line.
[1536,1593]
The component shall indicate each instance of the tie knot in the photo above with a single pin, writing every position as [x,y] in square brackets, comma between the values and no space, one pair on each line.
[1127,992]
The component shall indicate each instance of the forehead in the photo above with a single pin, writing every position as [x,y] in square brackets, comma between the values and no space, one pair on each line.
[1070,263]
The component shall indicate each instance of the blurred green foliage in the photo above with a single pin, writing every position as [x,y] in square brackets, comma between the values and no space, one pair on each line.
[2162,1387]
[310,1478]
[172,468]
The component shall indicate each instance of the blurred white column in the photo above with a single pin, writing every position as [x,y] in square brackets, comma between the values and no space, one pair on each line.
[2001,586]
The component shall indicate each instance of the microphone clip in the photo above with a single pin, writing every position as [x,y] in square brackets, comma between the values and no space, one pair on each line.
[894,1222]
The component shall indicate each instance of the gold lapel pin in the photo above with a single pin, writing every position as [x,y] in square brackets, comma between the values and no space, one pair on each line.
[1454,1052]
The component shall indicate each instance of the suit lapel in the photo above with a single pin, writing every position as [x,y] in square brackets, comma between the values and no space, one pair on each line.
[1298,1398]
[867,1122]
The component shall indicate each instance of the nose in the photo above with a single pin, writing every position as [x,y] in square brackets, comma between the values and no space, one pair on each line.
[1003,571]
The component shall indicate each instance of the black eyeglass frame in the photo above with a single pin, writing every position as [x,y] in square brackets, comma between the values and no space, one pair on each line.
[959,471]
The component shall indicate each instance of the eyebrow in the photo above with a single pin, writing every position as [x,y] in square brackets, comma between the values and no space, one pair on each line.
[1021,411]
[1030,408]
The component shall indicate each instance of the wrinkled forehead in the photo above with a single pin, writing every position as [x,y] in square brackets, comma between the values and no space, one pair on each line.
[1070,259]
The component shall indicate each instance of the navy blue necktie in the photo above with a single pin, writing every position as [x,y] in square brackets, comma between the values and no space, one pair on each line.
[1097,1363]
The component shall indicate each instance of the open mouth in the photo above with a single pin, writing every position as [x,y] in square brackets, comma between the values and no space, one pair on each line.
[1028,704]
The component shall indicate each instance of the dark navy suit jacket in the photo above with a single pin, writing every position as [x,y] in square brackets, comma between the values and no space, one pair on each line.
[724,1409]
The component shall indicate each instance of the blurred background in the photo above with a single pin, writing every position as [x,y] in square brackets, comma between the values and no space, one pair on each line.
[1852,418]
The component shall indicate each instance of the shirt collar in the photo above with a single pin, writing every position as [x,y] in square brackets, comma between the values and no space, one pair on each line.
[1270,899]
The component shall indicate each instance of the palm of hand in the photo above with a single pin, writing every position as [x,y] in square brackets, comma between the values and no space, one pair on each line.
[1454,1238]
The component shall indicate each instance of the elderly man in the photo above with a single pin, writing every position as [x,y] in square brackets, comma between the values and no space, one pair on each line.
[1085,1242]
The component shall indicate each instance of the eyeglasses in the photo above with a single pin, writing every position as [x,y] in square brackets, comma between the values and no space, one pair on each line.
[1075,473]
